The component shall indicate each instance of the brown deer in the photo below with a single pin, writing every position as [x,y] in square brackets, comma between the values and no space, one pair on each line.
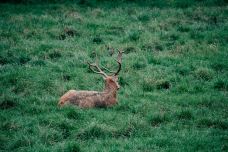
[89,99]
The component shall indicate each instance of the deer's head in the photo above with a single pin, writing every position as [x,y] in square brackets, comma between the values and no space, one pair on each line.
[111,80]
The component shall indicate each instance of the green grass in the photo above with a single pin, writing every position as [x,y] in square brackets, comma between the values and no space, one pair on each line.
[174,79]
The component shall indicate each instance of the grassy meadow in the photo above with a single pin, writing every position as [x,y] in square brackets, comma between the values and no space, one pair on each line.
[174,78]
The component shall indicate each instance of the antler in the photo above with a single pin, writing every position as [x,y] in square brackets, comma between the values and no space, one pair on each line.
[119,61]
[97,67]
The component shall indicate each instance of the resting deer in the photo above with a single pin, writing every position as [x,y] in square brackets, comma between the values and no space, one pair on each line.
[89,99]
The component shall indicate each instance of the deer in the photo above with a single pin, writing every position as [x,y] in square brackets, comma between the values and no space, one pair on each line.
[91,99]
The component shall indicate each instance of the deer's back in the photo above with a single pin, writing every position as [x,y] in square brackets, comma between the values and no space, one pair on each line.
[82,98]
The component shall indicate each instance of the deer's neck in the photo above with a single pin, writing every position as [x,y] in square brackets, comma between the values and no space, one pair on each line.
[110,90]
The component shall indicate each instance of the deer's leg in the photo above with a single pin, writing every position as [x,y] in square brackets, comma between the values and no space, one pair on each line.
[87,103]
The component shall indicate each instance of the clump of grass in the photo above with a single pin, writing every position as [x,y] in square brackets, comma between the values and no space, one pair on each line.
[38,62]
[23,58]
[159,47]
[131,11]
[122,107]
[147,47]
[97,40]
[66,77]
[125,132]
[157,120]
[55,54]
[174,37]
[144,17]
[18,57]
[65,129]
[219,65]
[115,30]
[72,114]
[212,103]
[8,102]
[68,32]
[183,70]
[72,147]
[183,4]
[183,28]
[185,114]
[196,35]
[139,65]
[134,35]
[43,48]
[221,85]
[149,84]
[98,12]
[203,73]
[163,84]
[21,142]
[85,3]
[94,131]
[208,123]
[129,49]
[123,81]
[153,60]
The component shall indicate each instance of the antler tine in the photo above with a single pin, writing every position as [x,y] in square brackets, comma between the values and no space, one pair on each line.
[97,67]
[103,67]
[119,61]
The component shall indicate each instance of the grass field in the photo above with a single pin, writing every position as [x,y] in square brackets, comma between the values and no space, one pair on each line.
[174,79]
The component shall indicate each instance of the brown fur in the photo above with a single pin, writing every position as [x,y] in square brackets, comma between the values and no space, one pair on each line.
[89,99]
